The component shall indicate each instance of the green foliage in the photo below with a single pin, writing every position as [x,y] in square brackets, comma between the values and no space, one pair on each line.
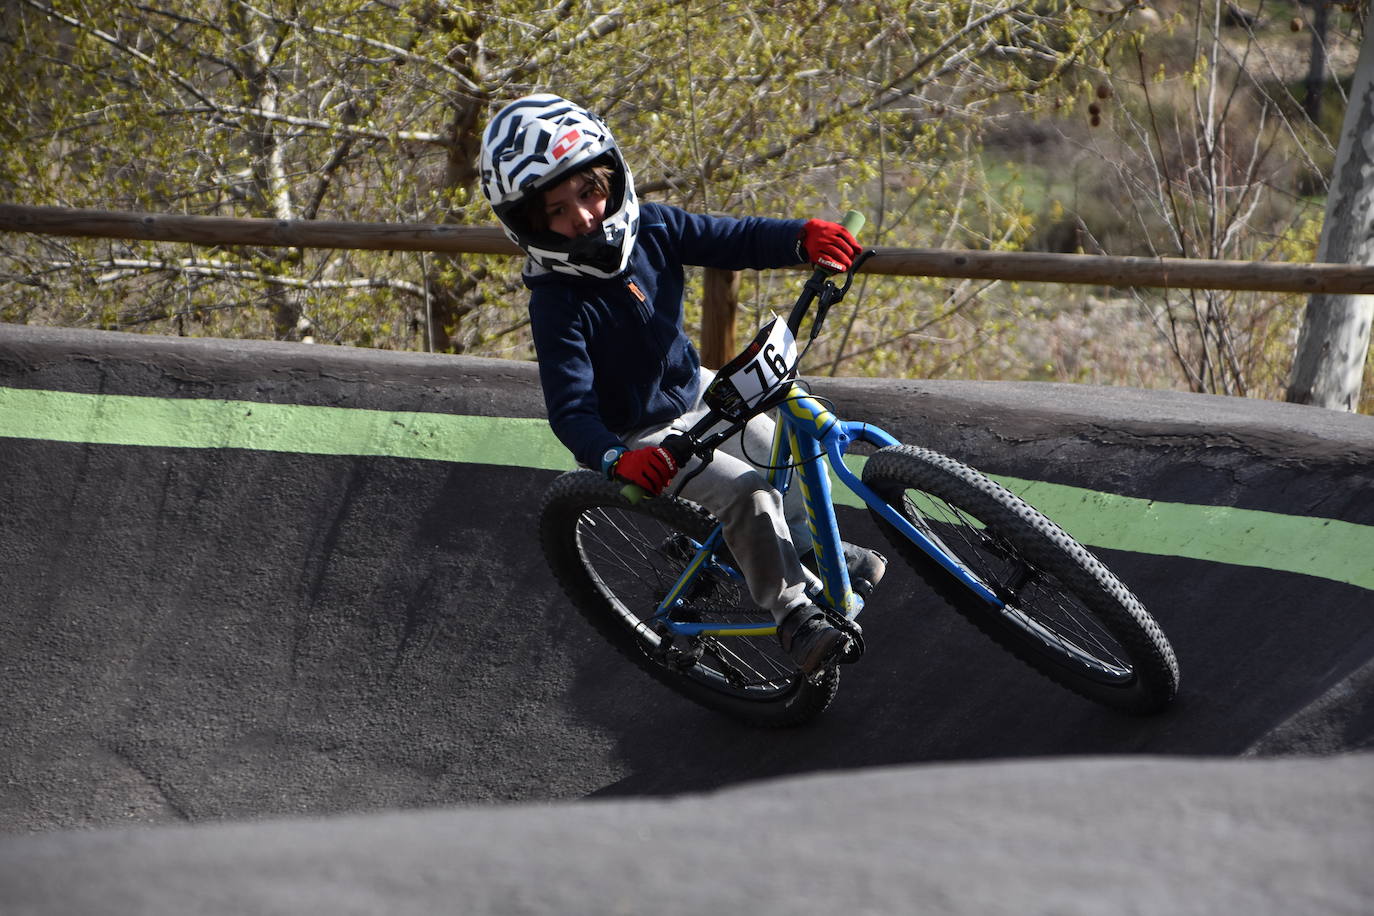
[352,110]
[917,113]
[1196,144]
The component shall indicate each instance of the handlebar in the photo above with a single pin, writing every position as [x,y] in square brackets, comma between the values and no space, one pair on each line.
[682,447]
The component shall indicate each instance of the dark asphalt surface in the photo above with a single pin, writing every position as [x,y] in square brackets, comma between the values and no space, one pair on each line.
[246,681]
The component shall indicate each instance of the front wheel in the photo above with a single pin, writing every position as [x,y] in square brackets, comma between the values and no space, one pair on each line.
[1065,614]
[617,561]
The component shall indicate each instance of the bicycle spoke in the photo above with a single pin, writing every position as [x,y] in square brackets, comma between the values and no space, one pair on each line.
[637,559]
[773,672]
[1039,604]
[619,554]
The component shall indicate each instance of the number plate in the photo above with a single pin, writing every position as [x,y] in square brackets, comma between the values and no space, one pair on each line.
[768,361]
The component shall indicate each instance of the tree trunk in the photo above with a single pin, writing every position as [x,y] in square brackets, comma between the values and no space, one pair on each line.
[271,187]
[1316,60]
[450,302]
[1328,366]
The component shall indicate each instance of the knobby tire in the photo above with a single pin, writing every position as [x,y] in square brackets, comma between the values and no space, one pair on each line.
[616,560]
[1068,616]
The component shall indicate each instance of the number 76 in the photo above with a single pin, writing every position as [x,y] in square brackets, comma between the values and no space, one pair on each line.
[770,358]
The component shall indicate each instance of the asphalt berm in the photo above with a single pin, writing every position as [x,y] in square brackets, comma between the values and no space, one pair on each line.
[278,639]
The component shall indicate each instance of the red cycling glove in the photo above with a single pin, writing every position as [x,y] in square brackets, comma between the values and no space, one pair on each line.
[650,467]
[829,245]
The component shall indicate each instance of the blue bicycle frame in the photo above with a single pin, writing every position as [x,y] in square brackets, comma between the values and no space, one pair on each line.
[809,439]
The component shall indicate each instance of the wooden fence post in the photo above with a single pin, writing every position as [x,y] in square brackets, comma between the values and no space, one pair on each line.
[719,303]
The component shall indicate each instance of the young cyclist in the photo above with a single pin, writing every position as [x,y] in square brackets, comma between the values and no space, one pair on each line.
[619,374]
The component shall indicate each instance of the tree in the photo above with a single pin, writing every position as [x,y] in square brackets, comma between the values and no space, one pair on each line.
[1315,87]
[1333,344]
[355,109]
[1197,145]
[221,108]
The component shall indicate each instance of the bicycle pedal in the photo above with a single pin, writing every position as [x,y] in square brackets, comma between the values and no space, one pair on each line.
[851,652]
[852,649]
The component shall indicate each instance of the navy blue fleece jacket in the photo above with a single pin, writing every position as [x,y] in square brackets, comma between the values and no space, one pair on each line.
[613,356]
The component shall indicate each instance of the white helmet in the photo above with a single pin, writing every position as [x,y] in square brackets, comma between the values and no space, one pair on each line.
[531,145]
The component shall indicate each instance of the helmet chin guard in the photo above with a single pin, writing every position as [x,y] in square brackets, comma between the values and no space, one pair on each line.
[536,142]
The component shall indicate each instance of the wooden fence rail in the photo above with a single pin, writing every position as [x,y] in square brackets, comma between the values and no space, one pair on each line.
[1025,266]
[1097,270]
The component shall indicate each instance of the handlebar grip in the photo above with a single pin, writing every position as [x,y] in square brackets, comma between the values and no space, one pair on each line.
[680,447]
[854,222]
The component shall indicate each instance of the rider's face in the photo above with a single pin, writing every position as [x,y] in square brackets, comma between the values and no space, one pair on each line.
[575,207]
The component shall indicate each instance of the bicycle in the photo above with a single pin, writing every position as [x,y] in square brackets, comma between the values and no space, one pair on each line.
[654,577]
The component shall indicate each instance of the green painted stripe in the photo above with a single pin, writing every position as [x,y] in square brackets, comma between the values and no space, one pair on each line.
[112,419]
[1328,548]
[1331,549]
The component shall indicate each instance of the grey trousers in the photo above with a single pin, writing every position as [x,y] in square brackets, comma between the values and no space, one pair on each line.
[765,533]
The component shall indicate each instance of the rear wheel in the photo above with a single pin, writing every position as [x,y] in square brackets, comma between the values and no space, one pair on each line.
[616,561]
[1066,614]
